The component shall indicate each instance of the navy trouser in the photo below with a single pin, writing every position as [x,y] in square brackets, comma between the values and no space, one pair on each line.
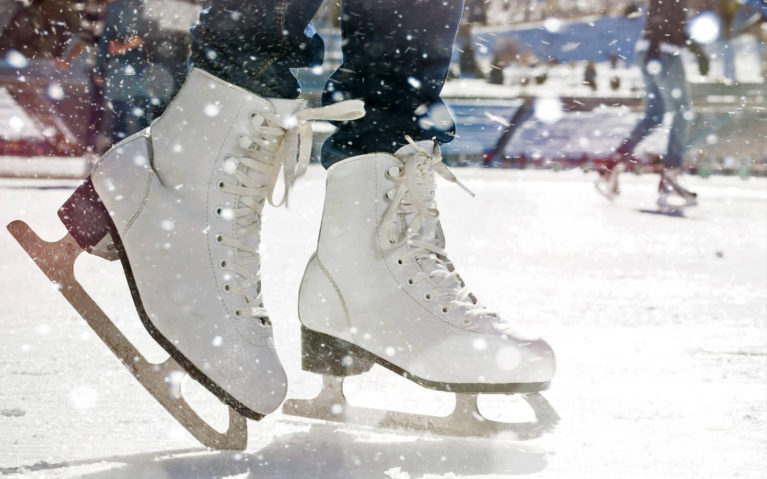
[396,55]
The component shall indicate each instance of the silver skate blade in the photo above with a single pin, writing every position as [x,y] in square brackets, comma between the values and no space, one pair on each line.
[672,212]
[163,380]
[465,420]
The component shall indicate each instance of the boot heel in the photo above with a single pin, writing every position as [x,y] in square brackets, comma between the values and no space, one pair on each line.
[87,221]
[324,354]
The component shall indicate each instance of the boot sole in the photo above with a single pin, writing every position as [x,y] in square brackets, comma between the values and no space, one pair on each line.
[329,355]
[93,213]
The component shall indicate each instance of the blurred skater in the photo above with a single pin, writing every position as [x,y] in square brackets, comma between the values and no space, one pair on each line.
[142,62]
[660,46]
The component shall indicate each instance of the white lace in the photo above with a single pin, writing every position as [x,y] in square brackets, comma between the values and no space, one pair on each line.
[256,172]
[413,207]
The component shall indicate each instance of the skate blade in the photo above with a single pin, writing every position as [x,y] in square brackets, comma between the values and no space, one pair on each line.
[671,211]
[163,380]
[604,189]
[465,420]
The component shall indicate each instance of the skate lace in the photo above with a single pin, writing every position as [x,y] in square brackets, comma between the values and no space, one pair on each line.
[412,207]
[256,173]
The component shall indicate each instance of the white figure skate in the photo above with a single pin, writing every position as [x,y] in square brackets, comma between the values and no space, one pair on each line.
[673,198]
[607,185]
[380,289]
[180,205]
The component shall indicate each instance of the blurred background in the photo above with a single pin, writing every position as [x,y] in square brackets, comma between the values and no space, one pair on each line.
[534,83]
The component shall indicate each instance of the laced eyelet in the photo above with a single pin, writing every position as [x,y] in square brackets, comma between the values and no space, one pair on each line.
[229,164]
[393,172]
[389,195]
[466,322]
[244,142]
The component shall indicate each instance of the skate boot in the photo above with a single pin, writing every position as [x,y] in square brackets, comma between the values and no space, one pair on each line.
[671,195]
[381,290]
[607,181]
[180,205]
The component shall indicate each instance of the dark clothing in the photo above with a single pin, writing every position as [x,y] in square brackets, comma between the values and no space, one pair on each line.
[396,56]
[141,81]
[666,23]
[42,29]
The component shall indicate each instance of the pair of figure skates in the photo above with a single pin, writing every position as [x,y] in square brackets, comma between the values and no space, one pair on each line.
[180,205]
[672,197]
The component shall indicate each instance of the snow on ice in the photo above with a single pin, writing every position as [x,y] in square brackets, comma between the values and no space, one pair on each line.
[659,324]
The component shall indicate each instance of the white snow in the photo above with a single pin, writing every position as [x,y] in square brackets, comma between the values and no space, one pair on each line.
[660,325]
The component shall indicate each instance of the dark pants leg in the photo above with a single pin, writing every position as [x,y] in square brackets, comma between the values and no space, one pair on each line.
[396,54]
[396,57]
[254,43]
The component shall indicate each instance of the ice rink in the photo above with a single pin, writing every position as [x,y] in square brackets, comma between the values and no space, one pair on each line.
[659,323]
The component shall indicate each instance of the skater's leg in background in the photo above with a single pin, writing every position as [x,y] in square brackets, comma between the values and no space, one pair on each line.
[677,100]
[653,115]
[396,58]
[254,43]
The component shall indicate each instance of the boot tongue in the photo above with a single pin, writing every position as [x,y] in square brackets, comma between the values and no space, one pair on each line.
[285,109]
[413,153]
[430,230]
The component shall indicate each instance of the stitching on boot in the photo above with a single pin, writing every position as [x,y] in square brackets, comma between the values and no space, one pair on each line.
[338,291]
[141,206]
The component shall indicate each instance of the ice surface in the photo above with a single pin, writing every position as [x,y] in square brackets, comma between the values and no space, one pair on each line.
[659,324]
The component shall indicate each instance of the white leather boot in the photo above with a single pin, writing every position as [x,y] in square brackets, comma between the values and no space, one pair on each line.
[672,195]
[380,288]
[181,203]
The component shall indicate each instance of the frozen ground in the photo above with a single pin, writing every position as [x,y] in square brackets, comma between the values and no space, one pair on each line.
[660,324]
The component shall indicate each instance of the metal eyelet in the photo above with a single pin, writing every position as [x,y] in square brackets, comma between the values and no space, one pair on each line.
[244,142]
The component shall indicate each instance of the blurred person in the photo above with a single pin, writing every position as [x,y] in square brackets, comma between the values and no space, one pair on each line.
[728,10]
[181,204]
[141,63]
[40,29]
[85,45]
[467,59]
[663,38]
[590,76]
